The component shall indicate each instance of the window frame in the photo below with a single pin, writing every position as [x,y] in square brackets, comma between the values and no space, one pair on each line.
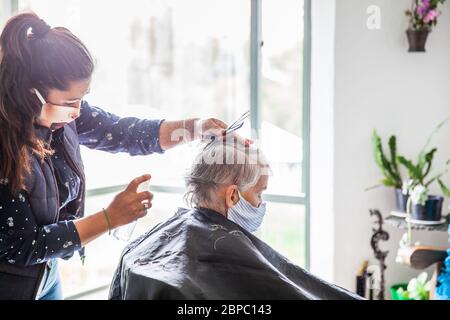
[256,107]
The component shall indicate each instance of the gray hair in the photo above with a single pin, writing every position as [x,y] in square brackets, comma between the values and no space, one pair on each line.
[223,164]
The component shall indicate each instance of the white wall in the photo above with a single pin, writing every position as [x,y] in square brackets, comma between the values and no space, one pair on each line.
[377,84]
[322,151]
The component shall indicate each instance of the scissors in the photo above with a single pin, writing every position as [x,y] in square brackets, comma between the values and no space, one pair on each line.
[236,125]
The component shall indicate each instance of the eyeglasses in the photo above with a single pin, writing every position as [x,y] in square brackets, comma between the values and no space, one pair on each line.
[53,113]
[42,100]
[236,125]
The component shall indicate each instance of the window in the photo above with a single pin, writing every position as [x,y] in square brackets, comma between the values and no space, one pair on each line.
[282,85]
[175,59]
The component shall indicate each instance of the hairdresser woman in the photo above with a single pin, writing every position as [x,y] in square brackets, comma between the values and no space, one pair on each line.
[44,74]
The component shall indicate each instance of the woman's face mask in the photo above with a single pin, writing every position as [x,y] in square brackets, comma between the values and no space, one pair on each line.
[247,216]
[56,115]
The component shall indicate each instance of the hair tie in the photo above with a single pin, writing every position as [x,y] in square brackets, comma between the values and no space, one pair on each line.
[41,29]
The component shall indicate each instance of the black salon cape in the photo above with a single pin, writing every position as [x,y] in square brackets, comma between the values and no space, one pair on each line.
[200,254]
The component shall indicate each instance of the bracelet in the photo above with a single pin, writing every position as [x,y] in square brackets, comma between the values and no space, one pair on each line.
[107,220]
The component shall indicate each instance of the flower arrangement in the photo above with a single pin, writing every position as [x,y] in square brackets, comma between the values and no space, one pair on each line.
[424,14]
[423,17]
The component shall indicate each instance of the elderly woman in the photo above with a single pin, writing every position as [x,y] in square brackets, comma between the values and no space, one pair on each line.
[209,251]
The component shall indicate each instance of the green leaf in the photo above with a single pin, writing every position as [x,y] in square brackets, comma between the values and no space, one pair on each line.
[432,180]
[377,149]
[436,129]
[429,156]
[393,150]
[426,160]
[373,187]
[412,170]
[444,188]
[388,182]
[381,160]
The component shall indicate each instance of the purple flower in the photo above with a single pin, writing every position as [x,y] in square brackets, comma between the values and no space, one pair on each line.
[423,8]
[431,16]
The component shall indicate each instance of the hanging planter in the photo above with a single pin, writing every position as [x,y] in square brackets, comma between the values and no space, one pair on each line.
[423,17]
[417,40]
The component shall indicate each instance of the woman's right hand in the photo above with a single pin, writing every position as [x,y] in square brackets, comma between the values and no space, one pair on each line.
[129,205]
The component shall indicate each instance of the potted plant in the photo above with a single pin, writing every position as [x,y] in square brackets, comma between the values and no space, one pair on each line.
[390,169]
[423,17]
[417,289]
[423,206]
[400,292]
[426,207]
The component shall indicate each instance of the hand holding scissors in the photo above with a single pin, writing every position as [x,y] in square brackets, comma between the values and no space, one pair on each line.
[236,125]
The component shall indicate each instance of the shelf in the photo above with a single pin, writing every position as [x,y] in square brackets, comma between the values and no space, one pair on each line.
[402,224]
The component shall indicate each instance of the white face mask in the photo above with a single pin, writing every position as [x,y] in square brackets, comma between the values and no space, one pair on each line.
[246,215]
[51,114]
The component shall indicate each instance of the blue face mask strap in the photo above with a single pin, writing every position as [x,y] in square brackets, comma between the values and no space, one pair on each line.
[239,195]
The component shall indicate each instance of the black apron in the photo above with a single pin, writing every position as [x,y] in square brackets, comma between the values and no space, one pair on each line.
[200,254]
